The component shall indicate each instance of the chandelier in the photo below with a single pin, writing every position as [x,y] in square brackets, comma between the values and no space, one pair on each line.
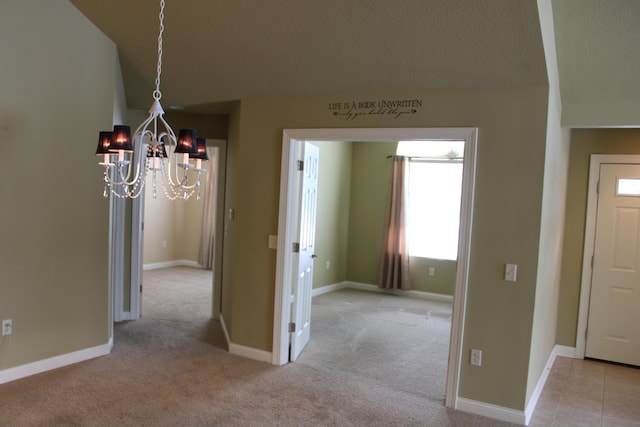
[127,160]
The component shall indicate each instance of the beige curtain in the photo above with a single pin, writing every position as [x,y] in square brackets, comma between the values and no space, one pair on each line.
[207,234]
[394,271]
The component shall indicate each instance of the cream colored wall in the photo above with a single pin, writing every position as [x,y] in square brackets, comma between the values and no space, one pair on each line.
[510,165]
[173,228]
[584,142]
[545,318]
[57,85]
[332,216]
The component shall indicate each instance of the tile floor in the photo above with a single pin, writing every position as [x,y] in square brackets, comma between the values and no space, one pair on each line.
[589,393]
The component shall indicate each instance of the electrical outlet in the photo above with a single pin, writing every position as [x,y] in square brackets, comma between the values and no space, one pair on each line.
[6,327]
[432,271]
[476,357]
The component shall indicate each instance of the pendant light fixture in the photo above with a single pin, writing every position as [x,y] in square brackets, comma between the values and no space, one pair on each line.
[127,160]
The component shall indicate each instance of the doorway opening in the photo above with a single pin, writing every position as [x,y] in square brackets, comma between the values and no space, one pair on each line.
[169,242]
[289,211]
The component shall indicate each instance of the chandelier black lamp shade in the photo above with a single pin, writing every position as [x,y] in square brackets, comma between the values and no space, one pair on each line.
[153,150]
[201,152]
[121,139]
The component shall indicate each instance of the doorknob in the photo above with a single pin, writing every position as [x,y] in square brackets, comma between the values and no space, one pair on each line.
[314,256]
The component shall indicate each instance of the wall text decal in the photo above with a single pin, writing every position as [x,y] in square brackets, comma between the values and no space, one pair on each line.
[392,108]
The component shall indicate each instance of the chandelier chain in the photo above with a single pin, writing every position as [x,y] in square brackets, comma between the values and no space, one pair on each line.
[156,93]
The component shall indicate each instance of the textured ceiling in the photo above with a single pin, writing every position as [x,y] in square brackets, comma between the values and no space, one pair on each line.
[217,51]
[221,50]
[598,44]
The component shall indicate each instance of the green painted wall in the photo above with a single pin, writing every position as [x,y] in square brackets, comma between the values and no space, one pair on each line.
[444,280]
[332,215]
[506,220]
[56,93]
[369,188]
[352,197]
[584,142]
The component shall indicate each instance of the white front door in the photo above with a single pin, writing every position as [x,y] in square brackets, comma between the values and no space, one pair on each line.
[613,331]
[303,281]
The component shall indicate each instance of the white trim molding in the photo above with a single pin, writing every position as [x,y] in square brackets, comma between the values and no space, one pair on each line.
[491,411]
[288,207]
[329,288]
[558,350]
[368,287]
[409,293]
[175,263]
[23,371]
[244,351]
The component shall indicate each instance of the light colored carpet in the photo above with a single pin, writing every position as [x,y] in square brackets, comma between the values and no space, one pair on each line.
[171,369]
[398,342]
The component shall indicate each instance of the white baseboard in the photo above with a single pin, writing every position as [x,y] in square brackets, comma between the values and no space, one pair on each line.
[565,351]
[410,293]
[175,263]
[328,288]
[55,362]
[244,351]
[492,411]
[558,350]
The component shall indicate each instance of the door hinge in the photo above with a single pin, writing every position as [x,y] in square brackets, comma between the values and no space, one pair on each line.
[585,333]
[140,288]
[592,262]
[296,247]
[292,327]
[300,165]
[598,188]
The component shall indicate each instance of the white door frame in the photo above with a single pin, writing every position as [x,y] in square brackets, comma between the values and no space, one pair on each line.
[286,230]
[117,222]
[589,240]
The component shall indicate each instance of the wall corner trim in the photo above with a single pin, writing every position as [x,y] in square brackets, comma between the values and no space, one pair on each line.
[23,371]
[558,350]
[244,351]
[175,263]
[492,411]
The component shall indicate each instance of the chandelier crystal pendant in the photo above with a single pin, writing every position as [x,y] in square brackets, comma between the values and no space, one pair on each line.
[127,161]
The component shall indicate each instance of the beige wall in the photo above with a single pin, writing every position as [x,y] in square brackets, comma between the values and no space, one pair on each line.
[172,228]
[584,142]
[57,85]
[510,165]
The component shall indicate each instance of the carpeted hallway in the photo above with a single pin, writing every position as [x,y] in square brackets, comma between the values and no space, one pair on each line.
[171,369]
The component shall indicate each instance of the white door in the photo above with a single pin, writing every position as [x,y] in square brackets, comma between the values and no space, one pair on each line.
[613,331]
[303,281]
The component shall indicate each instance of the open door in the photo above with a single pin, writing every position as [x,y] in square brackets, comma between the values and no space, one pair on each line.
[304,246]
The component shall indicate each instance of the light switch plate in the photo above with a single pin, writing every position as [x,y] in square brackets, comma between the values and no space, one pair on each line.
[510,272]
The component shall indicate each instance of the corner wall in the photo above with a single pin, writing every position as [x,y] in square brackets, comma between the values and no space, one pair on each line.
[56,93]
